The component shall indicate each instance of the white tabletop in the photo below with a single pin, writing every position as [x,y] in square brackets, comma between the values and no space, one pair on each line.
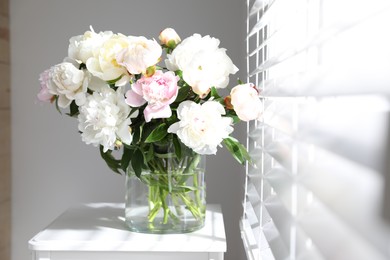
[101,227]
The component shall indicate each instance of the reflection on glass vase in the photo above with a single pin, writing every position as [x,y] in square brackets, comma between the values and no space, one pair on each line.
[168,198]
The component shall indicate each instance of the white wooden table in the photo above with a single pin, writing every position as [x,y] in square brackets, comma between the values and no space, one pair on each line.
[97,232]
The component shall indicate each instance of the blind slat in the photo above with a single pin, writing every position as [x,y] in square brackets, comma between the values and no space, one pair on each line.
[321,178]
[332,184]
[315,189]
[318,39]
[321,227]
[266,15]
[259,5]
[323,124]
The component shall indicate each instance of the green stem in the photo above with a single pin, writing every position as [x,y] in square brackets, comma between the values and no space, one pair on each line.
[153,213]
[174,217]
[176,203]
[165,182]
[198,201]
[154,202]
[163,196]
[196,211]
[192,165]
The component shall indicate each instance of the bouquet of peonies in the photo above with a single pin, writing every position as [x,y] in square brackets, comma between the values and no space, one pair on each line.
[124,100]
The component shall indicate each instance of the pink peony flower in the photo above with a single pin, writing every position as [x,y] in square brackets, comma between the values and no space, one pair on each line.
[44,94]
[246,102]
[159,91]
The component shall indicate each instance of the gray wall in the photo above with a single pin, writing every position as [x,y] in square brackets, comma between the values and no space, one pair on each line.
[51,168]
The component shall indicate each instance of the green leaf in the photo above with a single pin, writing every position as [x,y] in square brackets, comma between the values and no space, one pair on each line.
[237,150]
[157,134]
[74,109]
[137,162]
[183,93]
[137,132]
[126,158]
[147,129]
[234,116]
[177,145]
[179,73]
[150,154]
[111,162]
[214,93]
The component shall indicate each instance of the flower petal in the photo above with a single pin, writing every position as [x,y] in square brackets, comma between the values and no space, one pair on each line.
[133,99]
[63,101]
[163,112]
[124,134]
[174,128]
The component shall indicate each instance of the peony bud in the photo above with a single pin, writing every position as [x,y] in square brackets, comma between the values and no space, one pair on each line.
[150,71]
[246,102]
[169,37]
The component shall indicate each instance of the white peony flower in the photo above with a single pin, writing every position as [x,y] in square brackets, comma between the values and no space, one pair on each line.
[140,54]
[82,47]
[95,83]
[103,63]
[204,65]
[68,83]
[202,127]
[104,118]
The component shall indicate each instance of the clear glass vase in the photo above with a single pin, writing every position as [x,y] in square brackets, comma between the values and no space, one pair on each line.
[169,197]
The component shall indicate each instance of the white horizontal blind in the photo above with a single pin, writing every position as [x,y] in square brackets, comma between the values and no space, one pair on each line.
[317,189]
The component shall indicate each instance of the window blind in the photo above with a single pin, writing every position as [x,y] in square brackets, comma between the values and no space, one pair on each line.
[316,189]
